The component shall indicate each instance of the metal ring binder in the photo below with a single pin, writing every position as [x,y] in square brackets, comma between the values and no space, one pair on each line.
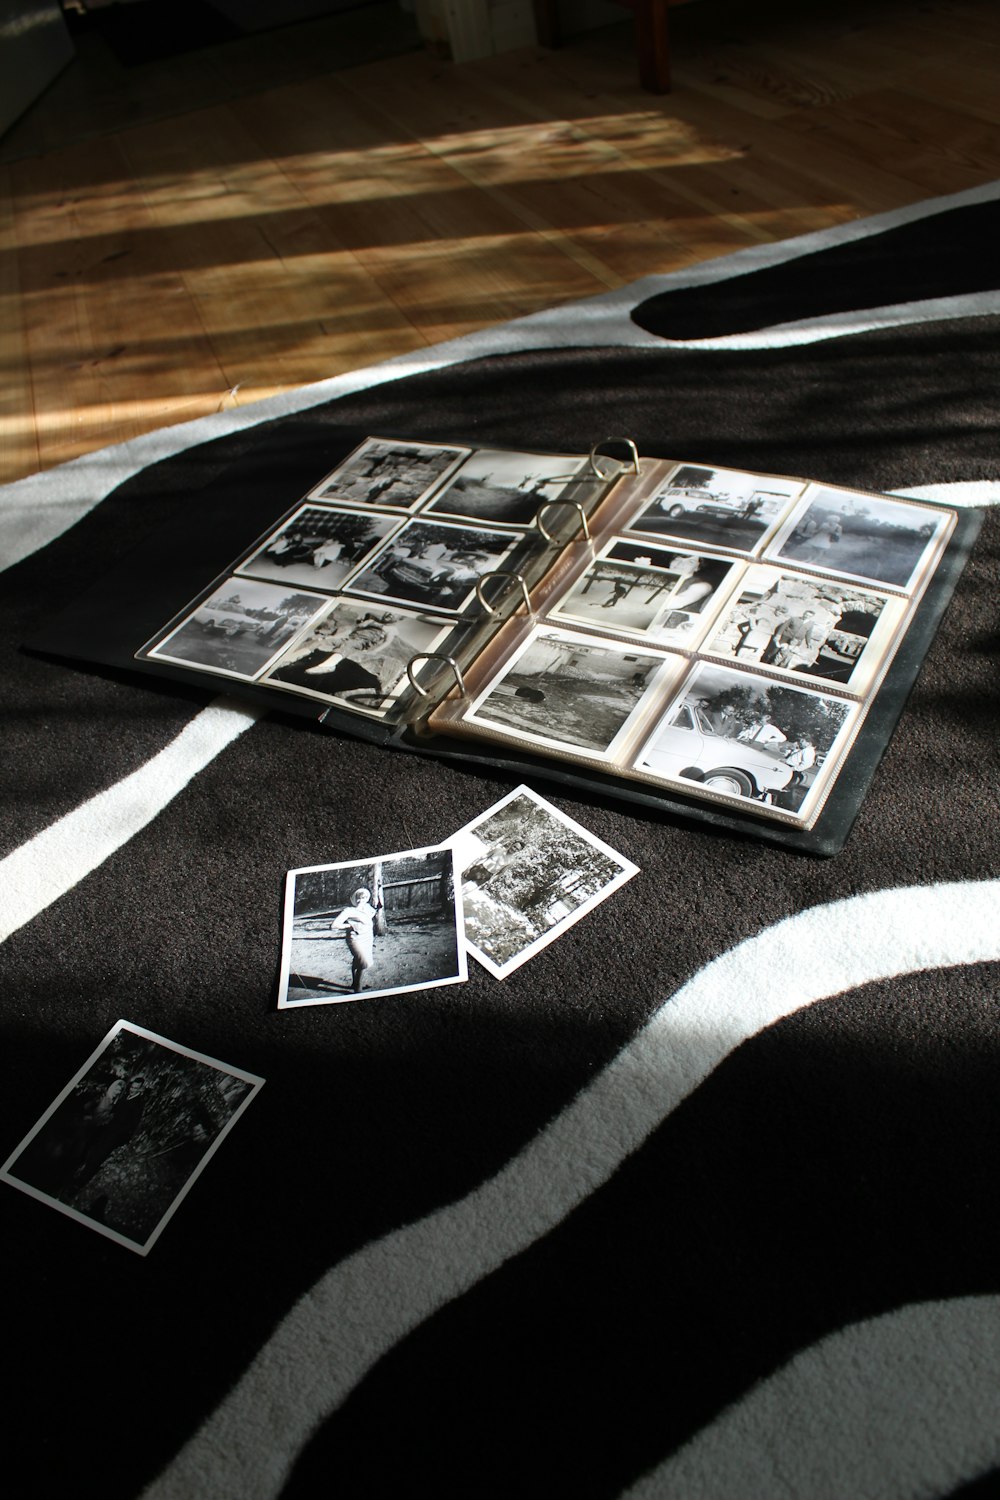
[434,656]
[574,505]
[628,443]
[501,573]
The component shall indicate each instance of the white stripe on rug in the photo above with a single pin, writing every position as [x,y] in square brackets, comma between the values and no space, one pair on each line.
[901,1405]
[360,1308]
[36,510]
[50,864]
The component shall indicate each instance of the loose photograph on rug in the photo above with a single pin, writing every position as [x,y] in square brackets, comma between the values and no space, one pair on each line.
[636,589]
[864,536]
[356,656]
[121,1146]
[363,929]
[382,471]
[507,488]
[239,629]
[528,873]
[320,546]
[717,507]
[563,690]
[814,627]
[435,564]
[737,735]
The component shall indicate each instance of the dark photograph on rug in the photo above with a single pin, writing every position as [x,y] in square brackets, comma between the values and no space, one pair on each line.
[717,507]
[567,691]
[508,488]
[864,536]
[239,629]
[791,622]
[320,546]
[528,873]
[124,1141]
[368,928]
[435,564]
[358,656]
[747,737]
[383,472]
[646,591]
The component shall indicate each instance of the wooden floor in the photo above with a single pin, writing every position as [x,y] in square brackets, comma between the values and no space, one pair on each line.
[159,270]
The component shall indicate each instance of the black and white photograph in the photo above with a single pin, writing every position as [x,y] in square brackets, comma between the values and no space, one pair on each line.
[240,628]
[124,1141]
[435,564]
[573,692]
[835,631]
[357,655]
[528,873]
[508,488]
[743,736]
[369,928]
[395,474]
[641,590]
[866,536]
[717,507]
[319,546]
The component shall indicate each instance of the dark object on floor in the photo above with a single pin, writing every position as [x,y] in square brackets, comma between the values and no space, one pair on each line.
[146,31]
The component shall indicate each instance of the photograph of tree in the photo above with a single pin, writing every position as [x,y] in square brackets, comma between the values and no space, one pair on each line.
[124,1141]
[529,872]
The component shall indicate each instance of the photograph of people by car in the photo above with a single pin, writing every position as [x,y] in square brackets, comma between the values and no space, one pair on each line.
[717,507]
[872,537]
[435,564]
[749,738]
[320,546]
[383,472]
[835,632]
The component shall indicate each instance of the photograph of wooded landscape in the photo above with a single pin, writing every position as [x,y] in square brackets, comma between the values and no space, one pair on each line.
[529,872]
[131,1133]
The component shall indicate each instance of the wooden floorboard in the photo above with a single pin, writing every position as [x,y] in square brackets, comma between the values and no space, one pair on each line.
[248,227]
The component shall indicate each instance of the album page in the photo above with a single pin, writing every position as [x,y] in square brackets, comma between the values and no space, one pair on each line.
[722,634]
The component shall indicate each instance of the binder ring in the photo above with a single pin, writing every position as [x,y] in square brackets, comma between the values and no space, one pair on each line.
[574,505]
[501,573]
[603,443]
[434,656]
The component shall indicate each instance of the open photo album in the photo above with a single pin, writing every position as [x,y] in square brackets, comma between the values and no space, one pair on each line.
[730,645]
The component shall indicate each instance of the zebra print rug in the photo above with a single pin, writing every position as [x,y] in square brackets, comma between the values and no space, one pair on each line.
[700,1202]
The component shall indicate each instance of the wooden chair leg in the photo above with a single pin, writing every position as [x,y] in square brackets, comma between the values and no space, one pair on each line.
[547,23]
[653,43]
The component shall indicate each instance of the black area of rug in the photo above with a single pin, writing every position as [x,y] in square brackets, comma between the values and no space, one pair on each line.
[950,255]
[712,1175]
[146,31]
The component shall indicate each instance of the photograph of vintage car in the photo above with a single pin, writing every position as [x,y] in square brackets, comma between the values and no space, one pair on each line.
[435,564]
[749,738]
[717,507]
[240,628]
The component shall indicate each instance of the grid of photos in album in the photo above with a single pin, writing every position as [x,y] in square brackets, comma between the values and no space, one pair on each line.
[376,567]
[726,640]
